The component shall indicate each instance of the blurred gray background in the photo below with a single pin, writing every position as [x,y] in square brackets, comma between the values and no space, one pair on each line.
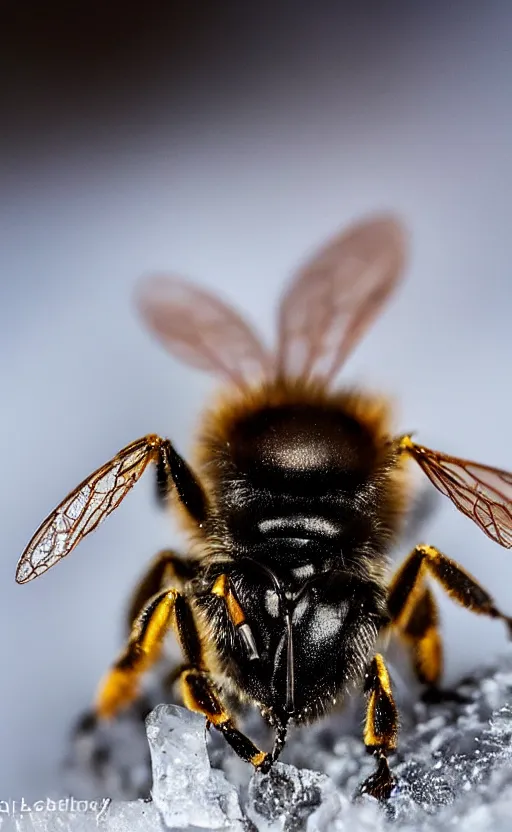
[223,141]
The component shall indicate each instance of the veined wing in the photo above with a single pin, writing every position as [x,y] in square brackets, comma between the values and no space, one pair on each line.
[85,508]
[483,493]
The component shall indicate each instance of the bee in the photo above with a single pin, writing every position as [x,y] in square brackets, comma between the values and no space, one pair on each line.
[295,498]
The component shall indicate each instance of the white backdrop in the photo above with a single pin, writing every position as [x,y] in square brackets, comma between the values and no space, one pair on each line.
[231,178]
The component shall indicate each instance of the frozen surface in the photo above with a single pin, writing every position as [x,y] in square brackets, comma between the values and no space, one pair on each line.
[136,816]
[186,790]
[454,770]
[289,798]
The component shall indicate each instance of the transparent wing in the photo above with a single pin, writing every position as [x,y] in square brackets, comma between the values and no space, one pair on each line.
[336,296]
[201,330]
[481,492]
[82,510]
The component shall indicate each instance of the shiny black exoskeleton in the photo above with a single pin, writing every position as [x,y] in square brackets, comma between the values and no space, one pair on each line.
[301,500]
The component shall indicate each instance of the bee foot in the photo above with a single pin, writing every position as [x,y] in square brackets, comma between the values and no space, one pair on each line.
[380,784]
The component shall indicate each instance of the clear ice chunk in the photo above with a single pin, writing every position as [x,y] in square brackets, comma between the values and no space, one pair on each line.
[186,790]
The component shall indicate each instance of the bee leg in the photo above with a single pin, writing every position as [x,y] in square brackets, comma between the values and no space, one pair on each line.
[279,741]
[168,608]
[199,694]
[421,634]
[380,730]
[223,589]
[173,472]
[167,569]
[420,631]
[413,611]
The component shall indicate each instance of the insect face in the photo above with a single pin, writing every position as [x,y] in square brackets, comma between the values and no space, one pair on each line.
[311,636]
